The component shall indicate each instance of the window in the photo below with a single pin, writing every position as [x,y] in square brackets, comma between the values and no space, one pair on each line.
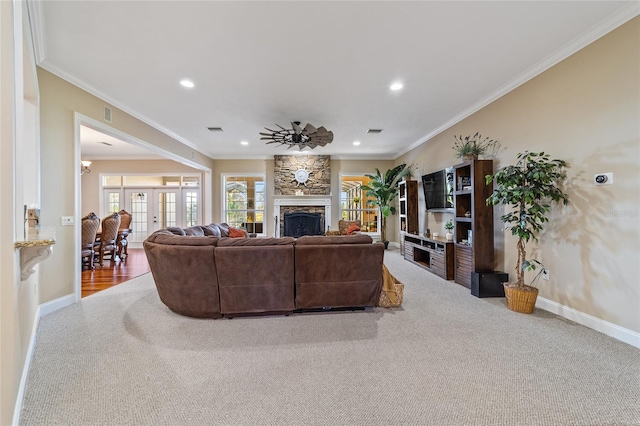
[353,203]
[192,208]
[244,202]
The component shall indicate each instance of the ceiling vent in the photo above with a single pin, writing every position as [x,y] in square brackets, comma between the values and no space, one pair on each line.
[215,129]
[106,143]
[374,131]
[107,114]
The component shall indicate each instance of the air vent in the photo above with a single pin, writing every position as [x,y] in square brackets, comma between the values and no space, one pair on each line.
[215,129]
[374,131]
[107,114]
[106,143]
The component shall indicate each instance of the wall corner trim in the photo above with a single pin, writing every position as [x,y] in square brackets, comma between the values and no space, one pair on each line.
[620,333]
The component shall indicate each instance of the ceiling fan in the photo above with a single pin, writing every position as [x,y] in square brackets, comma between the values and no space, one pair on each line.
[307,137]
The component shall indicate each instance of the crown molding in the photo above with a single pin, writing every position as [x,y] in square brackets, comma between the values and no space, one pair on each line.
[609,24]
[34,9]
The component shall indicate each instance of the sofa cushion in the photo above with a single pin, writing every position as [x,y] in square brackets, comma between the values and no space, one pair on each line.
[196,230]
[316,240]
[168,238]
[343,225]
[175,230]
[239,242]
[236,233]
[211,229]
[352,229]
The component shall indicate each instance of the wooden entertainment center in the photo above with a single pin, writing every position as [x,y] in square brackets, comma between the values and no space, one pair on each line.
[433,254]
[471,250]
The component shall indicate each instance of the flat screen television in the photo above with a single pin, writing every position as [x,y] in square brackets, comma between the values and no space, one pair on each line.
[438,190]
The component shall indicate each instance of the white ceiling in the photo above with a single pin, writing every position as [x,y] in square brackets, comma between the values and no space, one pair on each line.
[255,64]
[96,145]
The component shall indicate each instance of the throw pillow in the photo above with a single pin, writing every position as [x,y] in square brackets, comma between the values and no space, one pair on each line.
[236,233]
[352,229]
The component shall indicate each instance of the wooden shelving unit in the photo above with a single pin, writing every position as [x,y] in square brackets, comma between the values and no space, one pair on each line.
[408,206]
[473,220]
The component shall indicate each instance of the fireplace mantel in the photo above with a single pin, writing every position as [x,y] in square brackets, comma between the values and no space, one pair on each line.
[301,200]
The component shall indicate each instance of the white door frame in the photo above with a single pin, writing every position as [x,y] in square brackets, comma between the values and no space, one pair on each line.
[82,120]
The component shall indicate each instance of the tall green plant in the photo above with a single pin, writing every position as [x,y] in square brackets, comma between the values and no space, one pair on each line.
[383,189]
[528,187]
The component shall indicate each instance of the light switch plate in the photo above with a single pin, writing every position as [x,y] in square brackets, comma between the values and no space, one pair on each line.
[67,220]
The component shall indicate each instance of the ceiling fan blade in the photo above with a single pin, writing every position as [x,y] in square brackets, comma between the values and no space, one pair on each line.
[296,128]
[309,128]
[286,130]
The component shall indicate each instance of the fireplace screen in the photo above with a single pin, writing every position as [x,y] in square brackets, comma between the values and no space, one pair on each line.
[299,224]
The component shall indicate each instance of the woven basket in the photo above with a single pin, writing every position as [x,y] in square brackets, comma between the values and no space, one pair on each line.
[385,302]
[518,300]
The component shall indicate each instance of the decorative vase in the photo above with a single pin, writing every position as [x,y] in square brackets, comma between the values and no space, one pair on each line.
[449,236]
[520,299]
[469,157]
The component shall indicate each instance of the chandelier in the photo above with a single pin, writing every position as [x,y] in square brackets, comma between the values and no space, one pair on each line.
[307,137]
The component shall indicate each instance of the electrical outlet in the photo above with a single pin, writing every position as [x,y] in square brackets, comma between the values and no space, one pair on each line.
[67,220]
[545,274]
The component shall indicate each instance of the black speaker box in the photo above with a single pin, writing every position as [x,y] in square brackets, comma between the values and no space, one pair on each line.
[488,284]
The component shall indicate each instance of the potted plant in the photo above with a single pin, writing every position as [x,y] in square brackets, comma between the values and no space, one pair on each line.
[528,187]
[356,201]
[471,147]
[381,191]
[449,227]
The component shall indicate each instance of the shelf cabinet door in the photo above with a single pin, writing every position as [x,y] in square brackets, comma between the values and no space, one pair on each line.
[408,206]
[464,265]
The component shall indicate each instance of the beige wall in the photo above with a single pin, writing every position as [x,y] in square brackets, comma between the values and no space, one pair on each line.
[59,101]
[586,111]
[18,186]
[91,181]
[266,167]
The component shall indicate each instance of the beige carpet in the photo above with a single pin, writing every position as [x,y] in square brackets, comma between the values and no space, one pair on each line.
[121,357]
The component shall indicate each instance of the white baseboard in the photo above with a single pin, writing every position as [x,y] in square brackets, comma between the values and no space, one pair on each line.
[605,327]
[54,305]
[394,244]
[17,409]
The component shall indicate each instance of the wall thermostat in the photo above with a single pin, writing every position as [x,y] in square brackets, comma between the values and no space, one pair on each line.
[603,178]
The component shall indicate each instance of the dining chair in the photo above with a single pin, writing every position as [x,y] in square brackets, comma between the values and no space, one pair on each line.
[108,237]
[123,233]
[90,225]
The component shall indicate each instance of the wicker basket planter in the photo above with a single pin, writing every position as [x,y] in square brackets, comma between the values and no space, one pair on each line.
[520,299]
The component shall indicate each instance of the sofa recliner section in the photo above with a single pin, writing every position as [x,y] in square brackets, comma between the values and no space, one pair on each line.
[255,275]
[184,270]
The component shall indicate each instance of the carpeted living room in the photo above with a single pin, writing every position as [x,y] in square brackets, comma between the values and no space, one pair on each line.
[283,119]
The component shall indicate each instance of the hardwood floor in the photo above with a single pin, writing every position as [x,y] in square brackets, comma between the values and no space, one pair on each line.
[114,273]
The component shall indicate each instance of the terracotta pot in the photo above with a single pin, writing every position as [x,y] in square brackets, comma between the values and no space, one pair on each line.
[520,299]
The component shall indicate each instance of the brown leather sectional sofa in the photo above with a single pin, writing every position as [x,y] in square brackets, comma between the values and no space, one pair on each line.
[210,277]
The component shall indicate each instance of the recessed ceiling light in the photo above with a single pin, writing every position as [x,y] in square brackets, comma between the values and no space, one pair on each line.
[244,143]
[356,143]
[187,83]
[396,86]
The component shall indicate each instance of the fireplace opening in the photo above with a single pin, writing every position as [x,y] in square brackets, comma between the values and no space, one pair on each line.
[299,224]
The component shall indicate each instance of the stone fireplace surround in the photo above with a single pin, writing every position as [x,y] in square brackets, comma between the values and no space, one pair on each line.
[306,204]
